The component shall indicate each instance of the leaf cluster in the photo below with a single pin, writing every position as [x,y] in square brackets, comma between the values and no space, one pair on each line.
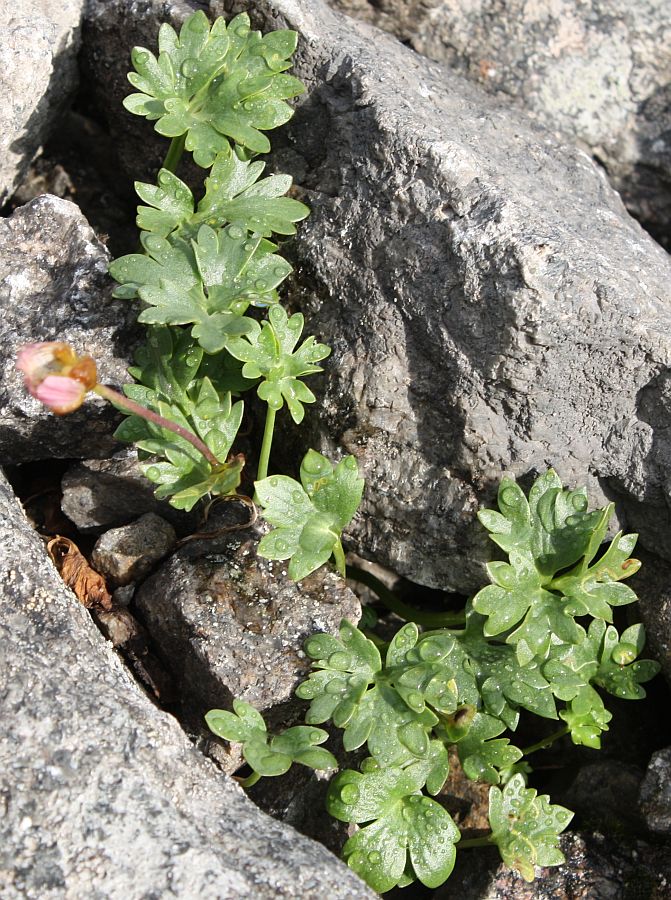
[411,700]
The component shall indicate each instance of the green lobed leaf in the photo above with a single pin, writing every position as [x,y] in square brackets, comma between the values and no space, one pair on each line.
[270,756]
[233,195]
[268,352]
[215,84]
[309,522]
[407,830]
[526,827]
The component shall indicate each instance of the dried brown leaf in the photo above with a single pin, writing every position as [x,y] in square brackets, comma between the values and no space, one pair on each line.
[88,585]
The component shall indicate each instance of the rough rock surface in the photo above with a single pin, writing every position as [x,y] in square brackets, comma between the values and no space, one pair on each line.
[598,71]
[232,625]
[596,868]
[38,75]
[129,553]
[655,795]
[491,306]
[101,794]
[54,287]
[105,493]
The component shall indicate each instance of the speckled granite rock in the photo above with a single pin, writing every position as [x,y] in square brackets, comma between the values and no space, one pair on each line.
[598,71]
[38,75]
[491,306]
[232,625]
[54,287]
[101,794]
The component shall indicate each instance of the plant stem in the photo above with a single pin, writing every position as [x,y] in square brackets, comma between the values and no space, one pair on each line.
[485,841]
[546,742]
[174,153]
[130,406]
[249,780]
[266,445]
[395,604]
[339,554]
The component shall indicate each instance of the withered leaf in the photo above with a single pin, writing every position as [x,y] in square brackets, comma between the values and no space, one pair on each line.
[88,585]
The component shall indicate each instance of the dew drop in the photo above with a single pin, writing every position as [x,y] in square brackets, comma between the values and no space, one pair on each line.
[235,232]
[260,285]
[189,68]
[338,660]
[297,497]
[349,793]
[415,699]
[249,246]
[374,858]
[152,472]
[278,271]
[315,735]
[242,30]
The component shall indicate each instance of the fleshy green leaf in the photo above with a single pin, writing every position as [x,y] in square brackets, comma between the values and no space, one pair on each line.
[309,520]
[268,352]
[270,756]
[215,84]
[404,827]
[233,195]
[526,827]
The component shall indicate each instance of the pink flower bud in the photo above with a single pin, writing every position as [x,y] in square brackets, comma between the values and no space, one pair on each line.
[61,394]
[56,375]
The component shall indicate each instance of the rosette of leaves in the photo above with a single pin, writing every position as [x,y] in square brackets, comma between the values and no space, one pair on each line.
[269,353]
[309,517]
[170,385]
[533,600]
[268,755]
[235,194]
[209,282]
[215,84]
[404,834]
[526,827]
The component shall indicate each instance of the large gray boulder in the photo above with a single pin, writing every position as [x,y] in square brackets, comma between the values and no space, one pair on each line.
[39,42]
[491,306]
[54,287]
[598,71]
[101,793]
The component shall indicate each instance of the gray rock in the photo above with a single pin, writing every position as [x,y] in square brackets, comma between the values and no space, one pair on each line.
[653,587]
[655,796]
[598,71]
[39,43]
[129,553]
[102,795]
[54,287]
[232,625]
[491,307]
[105,493]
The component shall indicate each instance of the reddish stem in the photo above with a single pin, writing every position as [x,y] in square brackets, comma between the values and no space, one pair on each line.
[136,409]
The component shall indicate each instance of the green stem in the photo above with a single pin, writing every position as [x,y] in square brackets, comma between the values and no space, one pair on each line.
[174,153]
[130,406]
[339,554]
[546,742]
[264,457]
[395,604]
[249,780]
[485,841]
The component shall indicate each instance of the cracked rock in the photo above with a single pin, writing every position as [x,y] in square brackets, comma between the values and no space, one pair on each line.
[231,625]
[54,287]
[102,794]
[129,553]
[39,43]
